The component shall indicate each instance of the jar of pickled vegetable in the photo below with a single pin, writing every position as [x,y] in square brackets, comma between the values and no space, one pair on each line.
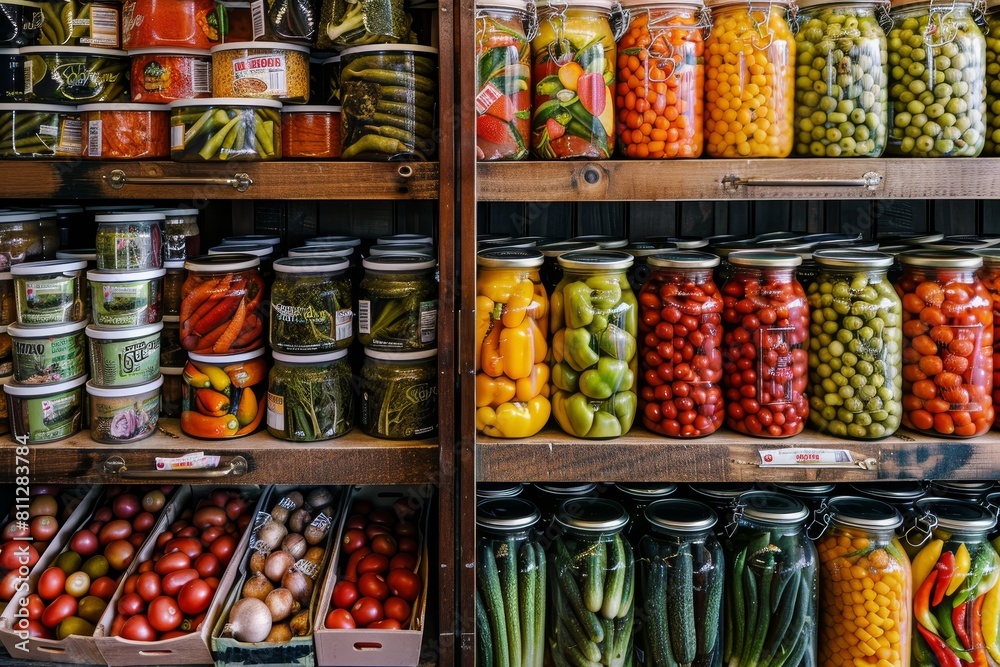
[224,396]
[681,353]
[770,604]
[937,86]
[222,309]
[550,497]
[721,497]
[311,305]
[551,272]
[903,496]
[397,303]
[503,80]
[841,84]
[947,344]
[574,68]
[750,80]
[766,320]
[399,394]
[635,497]
[661,79]
[310,397]
[992,34]
[512,618]
[955,578]
[512,375]
[594,320]
[989,274]
[594,597]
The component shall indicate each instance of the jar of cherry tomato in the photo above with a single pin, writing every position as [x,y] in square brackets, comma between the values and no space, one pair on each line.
[661,79]
[989,274]
[503,81]
[947,344]
[767,331]
[680,322]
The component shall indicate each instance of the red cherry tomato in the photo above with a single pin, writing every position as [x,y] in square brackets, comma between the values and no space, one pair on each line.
[34,606]
[351,569]
[385,545]
[397,608]
[84,543]
[404,583]
[223,549]
[62,607]
[340,619]
[406,561]
[373,586]
[131,604]
[345,594]
[164,614]
[367,611]
[207,565]
[104,588]
[172,562]
[189,545]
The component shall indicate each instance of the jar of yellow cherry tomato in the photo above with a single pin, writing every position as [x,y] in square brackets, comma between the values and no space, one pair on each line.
[661,78]
[512,376]
[573,56]
[749,80]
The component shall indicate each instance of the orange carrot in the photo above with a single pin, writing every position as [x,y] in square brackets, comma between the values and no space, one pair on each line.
[250,332]
[196,296]
[225,342]
[205,343]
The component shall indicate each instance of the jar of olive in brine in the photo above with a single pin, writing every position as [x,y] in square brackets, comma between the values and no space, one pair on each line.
[399,394]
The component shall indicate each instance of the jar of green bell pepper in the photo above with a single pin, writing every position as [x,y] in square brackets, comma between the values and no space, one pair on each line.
[594,320]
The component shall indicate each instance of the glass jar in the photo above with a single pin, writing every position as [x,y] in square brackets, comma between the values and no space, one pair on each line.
[171,393]
[551,272]
[503,80]
[721,497]
[574,68]
[749,80]
[594,324]
[20,238]
[855,346]
[549,497]
[947,344]
[903,496]
[224,395]
[635,497]
[49,292]
[310,396]
[397,303]
[681,574]
[126,299]
[507,551]
[771,604]
[937,87]
[235,323]
[841,84]
[641,251]
[860,545]
[129,241]
[172,354]
[661,62]
[813,496]
[767,334]
[173,282]
[511,335]
[989,275]
[311,306]
[399,394]
[681,356]
[992,34]
[263,251]
[8,311]
[972,491]
[594,601]
[181,236]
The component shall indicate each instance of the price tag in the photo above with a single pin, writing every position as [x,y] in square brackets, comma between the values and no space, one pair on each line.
[259,521]
[307,568]
[192,461]
[806,458]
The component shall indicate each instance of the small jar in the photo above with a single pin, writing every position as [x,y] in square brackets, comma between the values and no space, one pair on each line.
[947,344]
[171,393]
[82,24]
[181,235]
[124,357]
[236,322]
[172,354]
[253,134]
[311,306]
[397,303]
[224,395]
[902,496]
[269,70]
[48,355]
[20,238]
[45,413]
[129,241]
[8,309]
[310,396]
[173,281]
[503,80]
[130,299]
[162,75]
[399,394]
[49,292]
[635,497]
[120,415]
[311,132]
[551,272]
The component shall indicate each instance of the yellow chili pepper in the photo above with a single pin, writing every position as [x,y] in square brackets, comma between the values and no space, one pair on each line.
[924,561]
[962,564]
[991,622]
[492,360]
[535,384]
[514,420]
[494,391]
[516,348]
[484,324]
[516,308]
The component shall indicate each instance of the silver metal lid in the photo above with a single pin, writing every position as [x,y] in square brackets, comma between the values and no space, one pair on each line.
[498,489]
[940,259]
[958,515]
[771,507]
[724,491]
[557,248]
[807,489]
[864,513]
[765,259]
[643,249]
[646,490]
[684,259]
[605,242]
[853,259]
[682,242]
[567,488]
[908,239]
[894,492]
[507,514]
[506,243]
[979,486]
[608,260]
[509,258]
[595,515]
[677,515]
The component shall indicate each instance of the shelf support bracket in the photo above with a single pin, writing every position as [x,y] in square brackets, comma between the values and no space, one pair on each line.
[117,179]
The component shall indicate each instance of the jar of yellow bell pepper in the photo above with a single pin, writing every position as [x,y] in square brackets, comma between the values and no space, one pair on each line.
[749,80]
[512,376]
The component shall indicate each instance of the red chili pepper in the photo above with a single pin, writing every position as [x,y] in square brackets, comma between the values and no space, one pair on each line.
[944,655]
[960,620]
[946,570]
[921,603]
[978,643]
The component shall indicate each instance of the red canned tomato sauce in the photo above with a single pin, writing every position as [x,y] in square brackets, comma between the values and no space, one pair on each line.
[195,24]
[160,76]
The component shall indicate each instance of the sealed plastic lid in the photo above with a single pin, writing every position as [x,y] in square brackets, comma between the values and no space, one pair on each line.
[259,46]
[36,390]
[959,516]
[44,331]
[605,242]
[677,515]
[771,507]
[853,259]
[864,513]
[557,248]
[592,515]
[47,266]
[509,258]
[222,263]
[396,239]
[352,241]
[122,392]
[256,249]
[498,489]
[648,490]
[765,259]
[31,108]
[222,102]
[309,265]
[101,276]
[507,514]
[609,260]
[893,492]
[723,491]
[73,51]
[400,249]
[269,239]
[322,251]
[400,263]
[684,259]
[138,216]
[323,358]
[567,488]
[223,359]
[940,259]
[401,356]
[97,333]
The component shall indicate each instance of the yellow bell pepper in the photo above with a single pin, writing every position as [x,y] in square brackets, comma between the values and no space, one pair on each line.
[540,348]
[514,420]
[539,309]
[497,284]
[492,361]
[516,308]
[925,561]
[494,391]
[531,386]
[516,350]
[963,561]
[991,622]
[484,324]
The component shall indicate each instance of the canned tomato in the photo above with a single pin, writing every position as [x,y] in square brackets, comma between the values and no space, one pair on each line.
[160,76]
[193,24]
[224,396]
[221,311]
[125,131]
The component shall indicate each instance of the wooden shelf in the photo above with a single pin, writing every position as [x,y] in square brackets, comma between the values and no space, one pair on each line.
[729,457]
[706,179]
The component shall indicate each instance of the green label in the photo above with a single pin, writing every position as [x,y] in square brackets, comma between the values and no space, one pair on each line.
[124,304]
[47,300]
[124,419]
[52,417]
[124,362]
[46,360]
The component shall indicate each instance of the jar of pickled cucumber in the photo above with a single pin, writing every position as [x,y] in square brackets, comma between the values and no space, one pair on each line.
[841,79]
[721,497]
[503,80]
[749,80]
[989,274]
[992,144]
[549,497]
[661,75]
[937,80]
[573,56]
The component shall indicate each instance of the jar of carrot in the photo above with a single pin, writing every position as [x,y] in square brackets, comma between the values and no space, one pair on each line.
[750,80]
[661,79]
[222,307]
[989,274]
[947,344]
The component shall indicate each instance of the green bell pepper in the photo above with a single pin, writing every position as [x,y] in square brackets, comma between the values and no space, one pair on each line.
[602,382]
[564,377]
[607,293]
[579,309]
[579,349]
[618,343]
[625,403]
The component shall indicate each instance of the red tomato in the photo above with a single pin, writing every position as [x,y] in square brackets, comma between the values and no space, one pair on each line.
[406,561]
[119,554]
[374,529]
[195,597]
[408,545]
[351,570]
[397,609]
[340,619]
[43,528]
[131,604]
[358,521]
[211,534]
[345,594]
[223,548]
[148,586]
[353,540]
[173,634]
[52,583]
[207,565]
[210,516]
[103,514]
[367,611]
[39,631]
[163,538]
[164,614]
[189,545]
[405,528]
[13,555]
[176,580]
[404,583]
[126,506]
[138,629]
[374,562]
[385,545]
[104,588]
[62,607]
[383,516]
[136,539]
[373,586]
[34,606]
[189,531]
[386,624]
[119,529]
[177,560]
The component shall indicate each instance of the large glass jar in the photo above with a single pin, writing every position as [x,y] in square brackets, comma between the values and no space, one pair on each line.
[573,57]
[860,546]
[549,497]
[903,496]
[770,605]
[512,376]
[131,241]
[855,346]
[937,87]
[973,491]
[510,584]
[503,80]
[989,275]
[594,323]
[813,496]
[841,79]
[721,497]
[222,308]
[397,303]
[399,394]
[551,272]
[681,574]
[661,79]
[681,355]
[750,80]
[992,144]
[947,344]
[767,334]
[224,396]
[310,397]
[635,497]
[311,306]
[955,577]
[593,592]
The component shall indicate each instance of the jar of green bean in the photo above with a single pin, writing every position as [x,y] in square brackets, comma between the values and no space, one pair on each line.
[992,147]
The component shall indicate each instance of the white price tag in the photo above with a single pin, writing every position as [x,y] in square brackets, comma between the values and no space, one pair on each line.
[806,458]
[192,461]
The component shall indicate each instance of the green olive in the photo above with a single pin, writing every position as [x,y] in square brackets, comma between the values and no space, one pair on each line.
[992,146]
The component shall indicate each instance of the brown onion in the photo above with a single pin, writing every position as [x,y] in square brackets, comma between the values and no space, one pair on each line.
[314,534]
[280,602]
[295,544]
[271,534]
[277,564]
[257,560]
[299,519]
[319,497]
[280,634]
[249,620]
[315,555]
[300,624]
[257,587]
[299,585]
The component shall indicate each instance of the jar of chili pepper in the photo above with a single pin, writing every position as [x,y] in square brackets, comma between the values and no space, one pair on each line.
[681,355]
[503,80]
[661,79]
[947,344]
[767,332]
[222,305]
[989,274]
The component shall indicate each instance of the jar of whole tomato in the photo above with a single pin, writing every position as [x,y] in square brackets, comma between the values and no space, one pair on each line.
[767,332]
[750,80]
[574,68]
[222,304]
[503,80]
[681,355]
[661,79]
[947,344]
[989,274]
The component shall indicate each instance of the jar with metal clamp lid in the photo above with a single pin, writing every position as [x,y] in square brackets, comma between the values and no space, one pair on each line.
[973,491]
[635,497]
[903,496]
[721,497]
[813,496]
[549,497]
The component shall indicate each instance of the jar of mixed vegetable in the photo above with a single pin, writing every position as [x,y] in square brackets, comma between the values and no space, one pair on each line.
[635,497]
[661,79]
[750,80]
[311,306]
[222,308]
[766,318]
[397,303]
[594,324]
[399,394]
[503,80]
[224,395]
[989,274]
[947,344]
[992,34]
[937,61]
[310,396]
[574,68]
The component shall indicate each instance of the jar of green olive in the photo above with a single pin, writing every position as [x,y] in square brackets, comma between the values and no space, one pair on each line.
[841,79]
[397,303]
[310,397]
[992,147]
[937,80]
[399,394]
